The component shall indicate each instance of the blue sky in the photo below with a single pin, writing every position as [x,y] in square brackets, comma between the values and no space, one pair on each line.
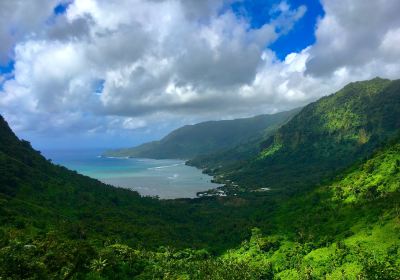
[7,67]
[61,8]
[118,73]
[302,33]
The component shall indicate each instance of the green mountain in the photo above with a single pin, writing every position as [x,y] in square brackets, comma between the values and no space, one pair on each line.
[207,137]
[37,197]
[57,224]
[346,229]
[326,137]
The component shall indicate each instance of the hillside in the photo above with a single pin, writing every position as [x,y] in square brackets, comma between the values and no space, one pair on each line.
[57,224]
[346,229]
[207,137]
[231,157]
[37,196]
[324,138]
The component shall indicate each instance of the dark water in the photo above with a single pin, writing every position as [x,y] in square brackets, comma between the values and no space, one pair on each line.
[163,178]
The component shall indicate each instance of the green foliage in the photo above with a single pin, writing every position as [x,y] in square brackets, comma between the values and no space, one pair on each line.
[40,197]
[268,152]
[57,224]
[377,177]
[325,138]
[316,236]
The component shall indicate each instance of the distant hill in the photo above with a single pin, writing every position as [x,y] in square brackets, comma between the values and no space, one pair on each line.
[207,137]
[325,137]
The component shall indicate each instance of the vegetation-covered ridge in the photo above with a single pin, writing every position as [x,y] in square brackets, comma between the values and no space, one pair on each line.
[344,224]
[323,139]
[348,229]
[207,137]
[37,196]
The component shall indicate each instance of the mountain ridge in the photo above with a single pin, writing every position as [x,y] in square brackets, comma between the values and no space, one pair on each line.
[206,137]
[345,229]
[57,224]
[325,137]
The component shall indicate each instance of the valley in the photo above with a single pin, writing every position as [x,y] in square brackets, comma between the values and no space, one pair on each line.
[314,196]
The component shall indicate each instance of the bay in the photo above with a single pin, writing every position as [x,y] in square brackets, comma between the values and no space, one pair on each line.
[167,179]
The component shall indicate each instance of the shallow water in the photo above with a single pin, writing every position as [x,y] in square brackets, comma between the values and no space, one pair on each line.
[163,178]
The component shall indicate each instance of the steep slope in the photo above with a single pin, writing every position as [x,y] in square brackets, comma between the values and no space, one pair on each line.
[347,229]
[34,193]
[37,197]
[207,137]
[57,224]
[230,158]
[325,137]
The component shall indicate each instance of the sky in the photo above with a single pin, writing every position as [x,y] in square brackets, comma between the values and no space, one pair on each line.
[116,73]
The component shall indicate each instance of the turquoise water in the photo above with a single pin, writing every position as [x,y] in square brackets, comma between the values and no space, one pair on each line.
[166,179]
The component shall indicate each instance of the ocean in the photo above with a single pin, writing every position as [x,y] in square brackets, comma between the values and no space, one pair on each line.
[167,179]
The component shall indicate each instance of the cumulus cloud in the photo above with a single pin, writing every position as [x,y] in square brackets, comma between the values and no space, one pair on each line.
[127,65]
[353,34]
[19,18]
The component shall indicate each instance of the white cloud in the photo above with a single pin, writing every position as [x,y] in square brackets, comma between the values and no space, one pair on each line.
[19,18]
[390,45]
[350,36]
[132,123]
[171,61]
